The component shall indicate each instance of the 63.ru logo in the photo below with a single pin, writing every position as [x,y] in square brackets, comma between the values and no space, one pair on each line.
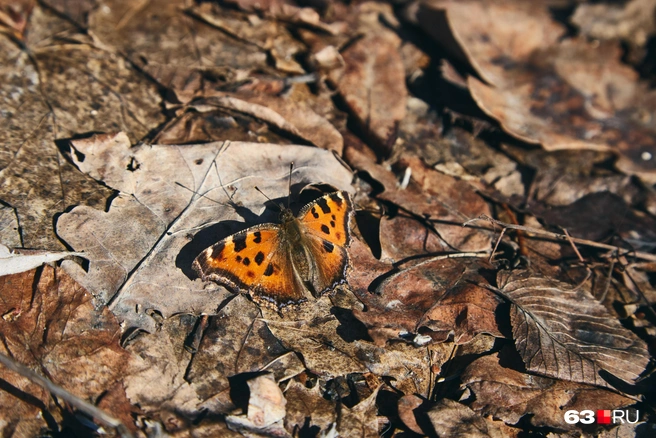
[602,416]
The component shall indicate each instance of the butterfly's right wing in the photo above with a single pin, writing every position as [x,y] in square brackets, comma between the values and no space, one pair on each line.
[327,234]
[253,260]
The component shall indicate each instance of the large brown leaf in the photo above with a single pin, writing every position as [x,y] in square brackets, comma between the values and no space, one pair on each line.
[53,326]
[563,332]
[436,298]
[508,394]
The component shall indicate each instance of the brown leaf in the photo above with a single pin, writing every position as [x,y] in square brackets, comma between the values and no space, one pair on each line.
[632,21]
[509,394]
[306,408]
[236,341]
[372,84]
[295,118]
[443,202]
[564,95]
[563,332]
[53,326]
[154,379]
[360,420]
[406,408]
[150,224]
[450,418]
[436,298]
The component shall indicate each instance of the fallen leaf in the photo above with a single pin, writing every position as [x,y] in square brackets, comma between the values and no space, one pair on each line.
[568,94]
[510,394]
[563,332]
[266,405]
[440,201]
[12,262]
[360,420]
[450,418]
[53,326]
[307,409]
[372,83]
[154,378]
[438,299]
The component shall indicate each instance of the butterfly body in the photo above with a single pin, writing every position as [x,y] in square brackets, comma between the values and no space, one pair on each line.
[283,264]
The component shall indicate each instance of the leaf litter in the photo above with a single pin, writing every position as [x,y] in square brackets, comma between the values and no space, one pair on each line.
[135,133]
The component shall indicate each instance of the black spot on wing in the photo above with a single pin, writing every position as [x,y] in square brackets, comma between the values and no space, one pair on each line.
[259,258]
[329,247]
[269,270]
[240,242]
[217,251]
[246,261]
[314,213]
[238,258]
[323,205]
[332,224]
[325,229]
[258,237]
[337,199]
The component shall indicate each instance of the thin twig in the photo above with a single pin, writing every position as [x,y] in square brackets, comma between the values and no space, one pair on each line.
[616,249]
[71,399]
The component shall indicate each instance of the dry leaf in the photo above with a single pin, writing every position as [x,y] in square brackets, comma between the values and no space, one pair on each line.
[12,262]
[450,418]
[53,326]
[509,394]
[568,94]
[372,83]
[563,332]
[438,299]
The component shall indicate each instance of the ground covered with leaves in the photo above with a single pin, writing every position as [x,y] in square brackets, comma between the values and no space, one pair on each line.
[501,157]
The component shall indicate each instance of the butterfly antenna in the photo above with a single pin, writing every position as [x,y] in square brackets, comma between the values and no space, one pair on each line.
[289,197]
[271,200]
[199,194]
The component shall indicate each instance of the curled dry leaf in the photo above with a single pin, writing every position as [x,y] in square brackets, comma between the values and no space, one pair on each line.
[508,394]
[570,94]
[563,332]
[295,118]
[15,262]
[437,298]
[140,251]
[265,412]
[52,325]
[632,21]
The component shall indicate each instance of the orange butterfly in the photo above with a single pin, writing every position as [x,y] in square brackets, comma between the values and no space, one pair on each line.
[281,264]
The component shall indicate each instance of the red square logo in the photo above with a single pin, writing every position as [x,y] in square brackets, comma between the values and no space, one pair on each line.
[603,416]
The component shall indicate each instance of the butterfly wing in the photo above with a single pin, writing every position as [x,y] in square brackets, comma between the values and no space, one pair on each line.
[253,260]
[325,223]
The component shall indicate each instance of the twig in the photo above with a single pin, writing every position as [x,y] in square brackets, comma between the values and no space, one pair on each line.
[616,249]
[60,392]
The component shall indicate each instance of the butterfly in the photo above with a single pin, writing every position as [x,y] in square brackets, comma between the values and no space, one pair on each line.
[282,264]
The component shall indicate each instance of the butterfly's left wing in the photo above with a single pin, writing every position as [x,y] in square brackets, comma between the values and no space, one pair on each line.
[254,261]
[325,223]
